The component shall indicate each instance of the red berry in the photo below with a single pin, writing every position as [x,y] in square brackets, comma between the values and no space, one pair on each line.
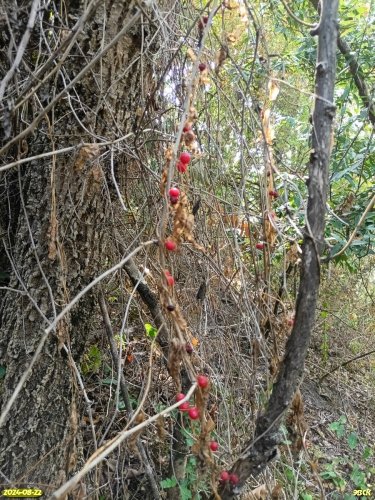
[184,406]
[180,396]
[170,280]
[274,194]
[185,157]
[189,349]
[187,127]
[234,479]
[170,245]
[202,67]
[181,167]
[205,19]
[174,192]
[202,381]
[214,446]
[173,200]
[194,413]
[259,246]
[224,476]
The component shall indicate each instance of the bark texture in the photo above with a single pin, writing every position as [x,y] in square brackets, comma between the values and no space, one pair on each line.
[263,448]
[54,215]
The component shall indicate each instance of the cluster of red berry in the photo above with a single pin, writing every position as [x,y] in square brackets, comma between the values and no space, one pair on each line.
[183,162]
[193,412]
[232,478]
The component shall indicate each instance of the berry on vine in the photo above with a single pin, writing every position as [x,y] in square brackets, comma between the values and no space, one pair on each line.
[170,279]
[180,396]
[174,192]
[274,194]
[184,406]
[259,246]
[205,19]
[193,413]
[203,381]
[234,479]
[185,157]
[170,245]
[224,475]
[214,446]
[181,167]
[189,348]
[202,67]
[187,127]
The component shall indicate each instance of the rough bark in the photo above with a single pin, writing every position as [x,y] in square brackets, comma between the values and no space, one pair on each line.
[263,448]
[55,218]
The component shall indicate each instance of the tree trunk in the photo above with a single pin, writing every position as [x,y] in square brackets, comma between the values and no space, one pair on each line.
[54,215]
[263,448]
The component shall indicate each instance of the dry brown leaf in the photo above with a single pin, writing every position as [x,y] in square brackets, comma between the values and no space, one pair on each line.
[274,90]
[194,342]
[277,492]
[259,493]
[191,55]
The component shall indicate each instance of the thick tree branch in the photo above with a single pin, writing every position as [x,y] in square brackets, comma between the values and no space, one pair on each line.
[260,451]
[356,72]
[147,296]
[358,78]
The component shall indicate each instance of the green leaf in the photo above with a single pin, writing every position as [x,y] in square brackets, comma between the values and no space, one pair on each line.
[121,405]
[367,453]
[109,381]
[358,477]
[352,440]
[170,482]
[150,331]
[339,426]
[185,492]
[189,440]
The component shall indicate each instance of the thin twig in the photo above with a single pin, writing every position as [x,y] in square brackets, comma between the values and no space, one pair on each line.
[52,326]
[21,49]
[125,393]
[360,356]
[92,63]
[352,236]
[107,448]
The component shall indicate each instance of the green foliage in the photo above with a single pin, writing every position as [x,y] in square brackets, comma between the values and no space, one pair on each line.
[151,331]
[170,482]
[331,473]
[192,485]
[92,360]
[358,476]
[306,496]
[338,427]
[352,440]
